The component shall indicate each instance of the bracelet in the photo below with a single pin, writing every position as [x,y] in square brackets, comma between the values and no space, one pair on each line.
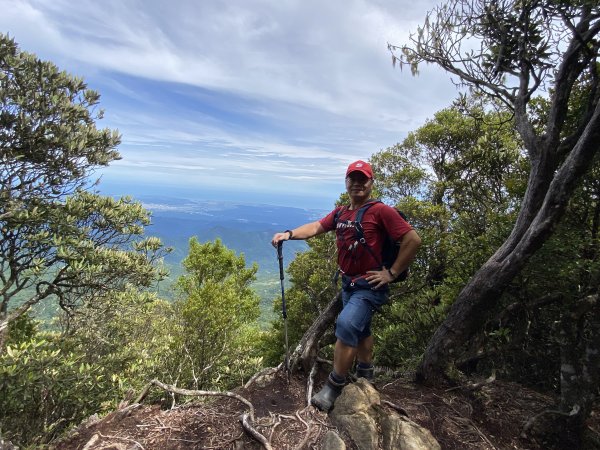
[391,274]
[291,234]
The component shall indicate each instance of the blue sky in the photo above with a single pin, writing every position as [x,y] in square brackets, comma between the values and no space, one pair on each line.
[240,100]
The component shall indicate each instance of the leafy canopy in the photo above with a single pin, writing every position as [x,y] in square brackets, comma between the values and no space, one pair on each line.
[216,315]
[57,238]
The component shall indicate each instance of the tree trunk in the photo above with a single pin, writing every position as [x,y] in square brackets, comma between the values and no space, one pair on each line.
[580,361]
[478,298]
[564,426]
[3,329]
[305,353]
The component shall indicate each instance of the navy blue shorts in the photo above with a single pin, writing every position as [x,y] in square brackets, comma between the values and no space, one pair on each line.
[354,322]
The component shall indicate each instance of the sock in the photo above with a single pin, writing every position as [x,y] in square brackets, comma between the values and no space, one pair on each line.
[338,379]
[362,365]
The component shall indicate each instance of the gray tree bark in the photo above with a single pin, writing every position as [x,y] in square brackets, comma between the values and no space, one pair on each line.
[559,157]
[305,354]
[474,302]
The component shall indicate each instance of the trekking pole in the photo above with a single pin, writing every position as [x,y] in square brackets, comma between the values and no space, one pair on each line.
[283,308]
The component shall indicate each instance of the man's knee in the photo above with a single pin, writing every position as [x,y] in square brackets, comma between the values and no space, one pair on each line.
[346,332]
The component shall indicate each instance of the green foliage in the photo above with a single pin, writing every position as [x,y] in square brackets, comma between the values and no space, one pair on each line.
[127,332]
[475,179]
[458,178]
[560,274]
[464,210]
[48,122]
[43,390]
[502,31]
[109,350]
[404,328]
[216,313]
[205,339]
[22,329]
[57,239]
[111,347]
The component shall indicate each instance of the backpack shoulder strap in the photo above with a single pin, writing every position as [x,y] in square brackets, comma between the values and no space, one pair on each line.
[359,216]
[360,235]
[337,214]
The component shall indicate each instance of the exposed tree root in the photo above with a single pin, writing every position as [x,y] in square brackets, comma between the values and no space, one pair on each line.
[310,383]
[395,407]
[308,432]
[531,422]
[263,373]
[247,424]
[474,386]
[246,419]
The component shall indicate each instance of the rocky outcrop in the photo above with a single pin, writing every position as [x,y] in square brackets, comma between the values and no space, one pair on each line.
[360,417]
[333,441]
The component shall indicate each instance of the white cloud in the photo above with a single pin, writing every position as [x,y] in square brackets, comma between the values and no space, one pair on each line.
[299,88]
[327,55]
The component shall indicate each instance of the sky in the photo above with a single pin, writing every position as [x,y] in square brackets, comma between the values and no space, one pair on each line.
[254,101]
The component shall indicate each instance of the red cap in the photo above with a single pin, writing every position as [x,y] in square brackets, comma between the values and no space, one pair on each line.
[360,166]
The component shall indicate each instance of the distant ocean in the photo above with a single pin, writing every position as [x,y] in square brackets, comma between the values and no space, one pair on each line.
[244,228]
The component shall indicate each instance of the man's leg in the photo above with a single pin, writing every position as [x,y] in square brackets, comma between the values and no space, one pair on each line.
[364,351]
[350,323]
[343,358]
[353,323]
[364,358]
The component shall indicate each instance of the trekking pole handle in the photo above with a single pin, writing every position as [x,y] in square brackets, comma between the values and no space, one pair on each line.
[280,258]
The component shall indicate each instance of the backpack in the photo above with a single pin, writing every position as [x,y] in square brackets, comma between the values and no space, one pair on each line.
[390,248]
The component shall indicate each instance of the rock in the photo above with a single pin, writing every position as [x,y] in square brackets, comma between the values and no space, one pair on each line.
[7,445]
[359,415]
[333,441]
[402,433]
[353,414]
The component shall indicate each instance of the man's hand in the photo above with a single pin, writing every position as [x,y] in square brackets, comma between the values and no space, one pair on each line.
[278,237]
[379,278]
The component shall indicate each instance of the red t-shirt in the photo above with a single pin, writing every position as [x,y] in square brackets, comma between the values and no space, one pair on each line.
[377,221]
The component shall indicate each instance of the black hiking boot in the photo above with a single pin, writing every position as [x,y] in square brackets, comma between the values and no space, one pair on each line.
[325,398]
[366,373]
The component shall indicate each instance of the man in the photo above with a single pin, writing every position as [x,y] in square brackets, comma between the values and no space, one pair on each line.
[364,282]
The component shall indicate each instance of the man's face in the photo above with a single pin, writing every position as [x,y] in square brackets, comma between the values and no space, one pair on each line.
[358,185]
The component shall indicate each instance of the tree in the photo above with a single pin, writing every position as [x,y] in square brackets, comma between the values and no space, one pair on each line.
[458,178]
[510,50]
[459,165]
[216,313]
[58,239]
[128,333]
